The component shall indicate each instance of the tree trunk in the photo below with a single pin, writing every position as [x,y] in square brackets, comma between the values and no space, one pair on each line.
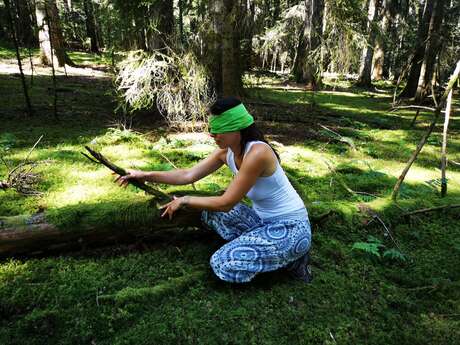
[26,33]
[378,61]
[231,69]
[50,29]
[18,57]
[223,50]
[365,70]
[432,47]
[416,63]
[246,42]
[90,23]
[162,16]
[307,66]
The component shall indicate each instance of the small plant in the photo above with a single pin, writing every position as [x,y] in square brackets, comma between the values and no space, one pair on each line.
[372,246]
[376,248]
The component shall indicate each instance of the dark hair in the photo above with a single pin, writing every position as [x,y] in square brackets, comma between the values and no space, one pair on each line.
[248,134]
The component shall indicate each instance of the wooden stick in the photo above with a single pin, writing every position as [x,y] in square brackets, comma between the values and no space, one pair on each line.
[424,210]
[120,171]
[444,147]
[423,140]
[419,107]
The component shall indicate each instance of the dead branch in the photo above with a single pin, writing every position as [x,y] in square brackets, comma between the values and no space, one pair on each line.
[99,158]
[424,210]
[342,182]
[341,138]
[21,178]
[411,107]
[452,81]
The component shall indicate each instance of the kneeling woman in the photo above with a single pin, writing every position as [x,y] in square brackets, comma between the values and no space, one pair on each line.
[275,231]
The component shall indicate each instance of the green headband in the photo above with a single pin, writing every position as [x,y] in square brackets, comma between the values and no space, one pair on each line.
[231,120]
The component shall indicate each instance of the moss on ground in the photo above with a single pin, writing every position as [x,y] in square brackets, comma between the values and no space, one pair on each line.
[164,292]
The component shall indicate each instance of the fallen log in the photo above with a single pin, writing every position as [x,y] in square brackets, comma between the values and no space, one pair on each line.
[33,235]
[91,225]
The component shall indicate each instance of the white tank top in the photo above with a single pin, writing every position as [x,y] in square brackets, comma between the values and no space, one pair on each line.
[271,196]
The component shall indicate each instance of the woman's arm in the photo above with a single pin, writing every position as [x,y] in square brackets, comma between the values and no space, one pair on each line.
[178,176]
[253,166]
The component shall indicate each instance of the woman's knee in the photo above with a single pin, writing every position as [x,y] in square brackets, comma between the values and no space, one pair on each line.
[225,271]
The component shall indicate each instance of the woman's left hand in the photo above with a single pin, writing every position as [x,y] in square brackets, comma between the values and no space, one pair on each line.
[173,206]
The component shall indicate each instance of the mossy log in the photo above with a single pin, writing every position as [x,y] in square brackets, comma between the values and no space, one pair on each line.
[81,226]
[35,234]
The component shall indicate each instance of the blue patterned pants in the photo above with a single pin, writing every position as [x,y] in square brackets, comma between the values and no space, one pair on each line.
[254,245]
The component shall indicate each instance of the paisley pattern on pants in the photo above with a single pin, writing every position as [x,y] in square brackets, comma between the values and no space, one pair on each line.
[255,246]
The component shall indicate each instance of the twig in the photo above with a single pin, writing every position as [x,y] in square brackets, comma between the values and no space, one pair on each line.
[376,216]
[411,107]
[340,137]
[344,185]
[120,171]
[424,210]
[33,147]
[452,81]
[434,96]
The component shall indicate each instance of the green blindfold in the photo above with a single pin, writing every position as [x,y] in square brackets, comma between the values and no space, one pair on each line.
[232,120]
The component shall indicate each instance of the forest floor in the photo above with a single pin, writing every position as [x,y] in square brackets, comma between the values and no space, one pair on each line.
[379,277]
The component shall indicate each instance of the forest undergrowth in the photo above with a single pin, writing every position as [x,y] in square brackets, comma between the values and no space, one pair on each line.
[379,277]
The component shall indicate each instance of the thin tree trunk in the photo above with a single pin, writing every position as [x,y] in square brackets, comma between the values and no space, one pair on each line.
[365,71]
[44,34]
[162,14]
[18,57]
[378,61]
[444,146]
[307,67]
[423,140]
[91,25]
[416,62]
[433,44]
[231,68]
[51,33]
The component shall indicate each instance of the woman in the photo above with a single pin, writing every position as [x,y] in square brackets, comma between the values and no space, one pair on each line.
[275,231]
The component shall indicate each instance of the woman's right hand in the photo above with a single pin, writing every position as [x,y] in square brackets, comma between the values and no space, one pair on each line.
[136,175]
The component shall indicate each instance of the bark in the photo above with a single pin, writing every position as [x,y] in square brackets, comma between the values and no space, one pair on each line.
[223,50]
[231,69]
[378,61]
[34,234]
[365,69]
[432,47]
[416,62]
[307,67]
[50,29]
[246,42]
[90,23]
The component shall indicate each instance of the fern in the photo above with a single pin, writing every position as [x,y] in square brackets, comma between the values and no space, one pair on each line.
[394,254]
[369,248]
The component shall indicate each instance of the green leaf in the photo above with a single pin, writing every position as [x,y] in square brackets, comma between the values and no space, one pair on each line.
[370,248]
[394,254]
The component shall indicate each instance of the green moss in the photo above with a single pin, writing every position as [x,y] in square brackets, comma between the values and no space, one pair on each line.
[352,300]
